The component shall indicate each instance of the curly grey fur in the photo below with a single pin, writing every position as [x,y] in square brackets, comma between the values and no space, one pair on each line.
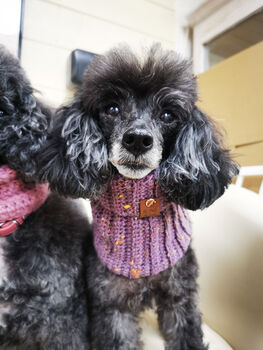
[75,157]
[42,295]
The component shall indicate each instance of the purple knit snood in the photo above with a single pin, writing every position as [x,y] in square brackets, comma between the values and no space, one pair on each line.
[132,246]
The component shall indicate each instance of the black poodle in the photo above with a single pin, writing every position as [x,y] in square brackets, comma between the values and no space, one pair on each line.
[133,120]
[42,283]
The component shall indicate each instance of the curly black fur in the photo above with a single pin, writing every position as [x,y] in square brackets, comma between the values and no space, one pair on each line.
[24,121]
[42,296]
[194,169]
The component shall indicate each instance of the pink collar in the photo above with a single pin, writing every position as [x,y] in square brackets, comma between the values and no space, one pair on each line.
[127,240]
[17,199]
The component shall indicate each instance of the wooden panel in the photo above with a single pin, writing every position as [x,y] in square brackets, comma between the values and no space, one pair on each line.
[138,15]
[232,93]
[250,154]
[69,29]
[253,183]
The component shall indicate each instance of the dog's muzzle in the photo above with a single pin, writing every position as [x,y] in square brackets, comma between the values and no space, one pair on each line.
[136,152]
[137,142]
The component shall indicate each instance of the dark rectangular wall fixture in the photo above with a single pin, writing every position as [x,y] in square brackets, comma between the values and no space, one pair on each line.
[80,60]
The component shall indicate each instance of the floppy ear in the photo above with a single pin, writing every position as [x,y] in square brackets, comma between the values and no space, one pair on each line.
[23,132]
[75,158]
[198,168]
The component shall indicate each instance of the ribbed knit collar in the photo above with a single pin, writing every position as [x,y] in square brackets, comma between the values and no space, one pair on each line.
[133,246]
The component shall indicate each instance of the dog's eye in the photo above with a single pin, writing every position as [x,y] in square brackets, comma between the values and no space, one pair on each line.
[112,110]
[1,113]
[167,117]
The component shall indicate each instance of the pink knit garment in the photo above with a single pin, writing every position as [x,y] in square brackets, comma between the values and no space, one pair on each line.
[132,246]
[16,198]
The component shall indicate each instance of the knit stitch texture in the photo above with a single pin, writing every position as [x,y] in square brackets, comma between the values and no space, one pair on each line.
[18,199]
[132,246]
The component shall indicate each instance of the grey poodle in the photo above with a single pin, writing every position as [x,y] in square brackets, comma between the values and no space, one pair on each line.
[132,121]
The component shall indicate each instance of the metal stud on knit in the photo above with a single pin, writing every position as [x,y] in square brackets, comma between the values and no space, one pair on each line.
[133,246]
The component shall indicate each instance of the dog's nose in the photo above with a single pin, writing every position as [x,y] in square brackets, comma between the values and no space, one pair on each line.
[137,142]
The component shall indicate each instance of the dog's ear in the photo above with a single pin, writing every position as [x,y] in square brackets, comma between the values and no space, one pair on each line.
[23,131]
[75,158]
[198,169]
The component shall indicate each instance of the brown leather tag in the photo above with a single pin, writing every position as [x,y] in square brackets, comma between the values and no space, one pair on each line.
[149,207]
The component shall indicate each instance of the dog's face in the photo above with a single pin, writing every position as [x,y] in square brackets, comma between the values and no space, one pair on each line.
[23,120]
[140,107]
[139,130]
[135,138]
[136,116]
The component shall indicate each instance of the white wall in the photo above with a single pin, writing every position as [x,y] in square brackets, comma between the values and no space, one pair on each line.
[183,8]
[10,24]
[53,28]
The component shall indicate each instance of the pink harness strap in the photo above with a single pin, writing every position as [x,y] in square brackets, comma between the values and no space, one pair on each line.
[17,199]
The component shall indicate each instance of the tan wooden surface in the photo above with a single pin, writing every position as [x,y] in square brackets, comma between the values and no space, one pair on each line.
[232,92]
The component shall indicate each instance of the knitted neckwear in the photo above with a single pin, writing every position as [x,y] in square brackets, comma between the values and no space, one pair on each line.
[16,198]
[132,246]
